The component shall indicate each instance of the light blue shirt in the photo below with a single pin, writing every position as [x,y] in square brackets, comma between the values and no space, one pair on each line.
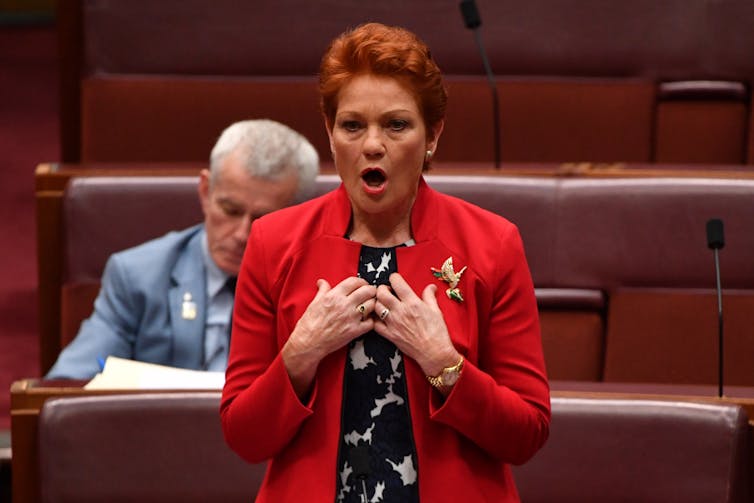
[219,310]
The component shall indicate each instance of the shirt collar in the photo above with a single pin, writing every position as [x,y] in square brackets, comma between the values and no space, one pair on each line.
[216,278]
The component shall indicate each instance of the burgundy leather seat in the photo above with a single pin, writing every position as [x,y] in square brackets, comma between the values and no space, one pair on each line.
[615,450]
[169,447]
[140,447]
[577,81]
[623,276]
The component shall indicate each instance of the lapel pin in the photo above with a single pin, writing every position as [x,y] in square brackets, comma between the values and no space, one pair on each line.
[188,308]
[447,274]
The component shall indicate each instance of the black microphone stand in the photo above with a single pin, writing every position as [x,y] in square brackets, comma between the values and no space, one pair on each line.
[716,241]
[719,325]
[473,21]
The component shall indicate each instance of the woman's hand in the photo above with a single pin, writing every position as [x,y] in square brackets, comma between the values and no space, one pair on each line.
[335,317]
[415,325]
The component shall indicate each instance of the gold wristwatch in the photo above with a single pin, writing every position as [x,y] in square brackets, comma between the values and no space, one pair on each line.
[447,376]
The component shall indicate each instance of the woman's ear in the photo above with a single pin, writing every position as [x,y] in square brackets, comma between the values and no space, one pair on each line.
[434,136]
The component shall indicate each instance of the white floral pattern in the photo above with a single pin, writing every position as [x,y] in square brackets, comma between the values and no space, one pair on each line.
[375,417]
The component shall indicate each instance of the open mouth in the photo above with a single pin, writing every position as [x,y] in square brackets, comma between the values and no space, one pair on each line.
[373,177]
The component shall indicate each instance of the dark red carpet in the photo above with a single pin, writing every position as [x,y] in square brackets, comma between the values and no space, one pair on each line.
[28,136]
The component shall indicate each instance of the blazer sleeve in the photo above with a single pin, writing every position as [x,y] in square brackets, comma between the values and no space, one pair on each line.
[502,403]
[260,411]
[109,331]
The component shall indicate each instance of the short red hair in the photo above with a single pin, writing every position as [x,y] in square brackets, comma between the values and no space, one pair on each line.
[390,51]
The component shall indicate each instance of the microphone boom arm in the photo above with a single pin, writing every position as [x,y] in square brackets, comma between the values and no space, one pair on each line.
[716,241]
[495,98]
[473,21]
[719,325]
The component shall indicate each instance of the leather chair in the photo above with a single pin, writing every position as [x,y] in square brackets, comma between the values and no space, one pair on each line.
[642,241]
[623,276]
[147,207]
[158,447]
[620,450]
[577,81]
[169,447]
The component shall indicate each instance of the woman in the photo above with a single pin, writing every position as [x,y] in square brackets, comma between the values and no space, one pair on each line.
[359,381]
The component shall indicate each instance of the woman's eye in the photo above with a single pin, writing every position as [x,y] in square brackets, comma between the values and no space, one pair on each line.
[350,126]
[397,124]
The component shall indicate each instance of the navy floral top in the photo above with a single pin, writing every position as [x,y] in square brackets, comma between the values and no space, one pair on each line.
[377,456]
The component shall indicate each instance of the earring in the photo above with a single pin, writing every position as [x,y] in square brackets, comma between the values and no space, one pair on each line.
[428,156]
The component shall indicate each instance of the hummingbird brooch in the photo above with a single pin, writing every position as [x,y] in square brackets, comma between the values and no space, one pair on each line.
[447,274]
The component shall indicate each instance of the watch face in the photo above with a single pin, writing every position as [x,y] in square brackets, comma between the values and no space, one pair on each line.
[449,377]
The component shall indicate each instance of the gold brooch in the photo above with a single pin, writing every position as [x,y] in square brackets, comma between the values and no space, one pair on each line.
[447,274]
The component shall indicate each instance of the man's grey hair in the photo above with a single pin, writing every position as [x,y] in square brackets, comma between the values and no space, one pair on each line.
[268,150]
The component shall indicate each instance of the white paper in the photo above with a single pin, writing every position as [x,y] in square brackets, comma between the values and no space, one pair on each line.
[120,373]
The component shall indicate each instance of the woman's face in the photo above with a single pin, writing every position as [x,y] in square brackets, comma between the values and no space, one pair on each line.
[379,141]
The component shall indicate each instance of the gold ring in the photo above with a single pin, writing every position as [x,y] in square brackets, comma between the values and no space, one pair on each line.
[361,308]
[384,313]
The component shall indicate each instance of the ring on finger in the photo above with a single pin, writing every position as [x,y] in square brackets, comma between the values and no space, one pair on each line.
[384,313]
[361,308]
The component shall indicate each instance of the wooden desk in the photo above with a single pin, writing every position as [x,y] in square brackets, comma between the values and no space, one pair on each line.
[27,398]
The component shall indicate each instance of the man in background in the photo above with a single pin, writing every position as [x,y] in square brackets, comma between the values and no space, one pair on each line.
[169,301]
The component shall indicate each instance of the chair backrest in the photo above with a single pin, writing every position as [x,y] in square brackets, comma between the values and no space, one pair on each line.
[625,281]
[632,81]
[140,447]
[619,450]
[102,215]
[106,214]
[169,447]
[642,241]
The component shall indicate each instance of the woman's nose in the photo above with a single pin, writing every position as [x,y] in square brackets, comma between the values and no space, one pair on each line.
[373,143]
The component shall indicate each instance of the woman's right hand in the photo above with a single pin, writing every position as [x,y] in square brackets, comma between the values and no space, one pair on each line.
[333,319]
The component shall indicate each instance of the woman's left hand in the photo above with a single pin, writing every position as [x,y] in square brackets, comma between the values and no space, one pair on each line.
[415,325]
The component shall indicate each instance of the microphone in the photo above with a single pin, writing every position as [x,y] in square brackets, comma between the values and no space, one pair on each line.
[359,458]
[473,21]
[715,242]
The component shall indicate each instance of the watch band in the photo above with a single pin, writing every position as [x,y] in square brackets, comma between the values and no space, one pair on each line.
[438,381]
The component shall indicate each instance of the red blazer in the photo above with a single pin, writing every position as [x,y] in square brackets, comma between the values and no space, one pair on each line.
[499,410]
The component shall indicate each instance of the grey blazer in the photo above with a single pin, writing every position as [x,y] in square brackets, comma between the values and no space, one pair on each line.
[139,312]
